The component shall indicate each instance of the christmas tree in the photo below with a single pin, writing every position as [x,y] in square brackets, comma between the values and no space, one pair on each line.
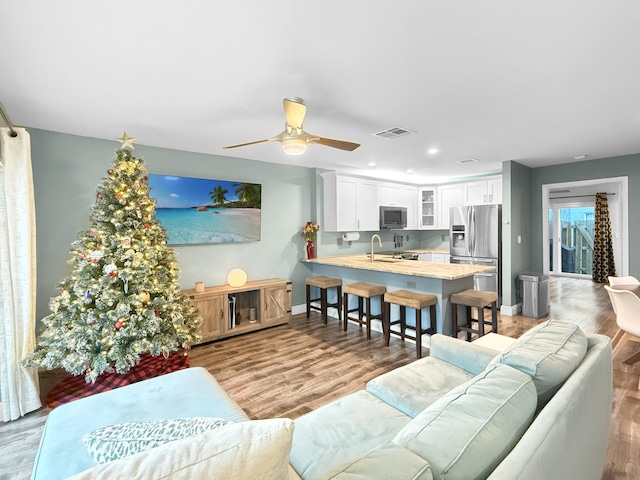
[122,298]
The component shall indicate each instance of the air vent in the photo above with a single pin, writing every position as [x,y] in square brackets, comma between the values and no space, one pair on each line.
[468,160]
[559,191]
[394,132]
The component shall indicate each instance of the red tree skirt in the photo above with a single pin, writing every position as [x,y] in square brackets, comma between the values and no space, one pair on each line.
[74,388]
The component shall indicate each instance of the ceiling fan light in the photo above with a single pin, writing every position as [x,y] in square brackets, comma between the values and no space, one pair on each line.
[294,146]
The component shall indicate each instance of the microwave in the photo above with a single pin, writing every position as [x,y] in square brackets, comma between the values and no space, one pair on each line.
[393,217]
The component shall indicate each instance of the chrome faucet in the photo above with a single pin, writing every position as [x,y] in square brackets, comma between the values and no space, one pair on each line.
[379,244]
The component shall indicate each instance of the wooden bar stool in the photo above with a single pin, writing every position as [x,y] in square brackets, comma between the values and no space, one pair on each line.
[323,283]
[474,299]
[363,291]
[406,299]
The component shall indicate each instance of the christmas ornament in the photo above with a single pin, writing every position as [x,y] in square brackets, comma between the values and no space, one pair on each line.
[138,212]
[110,270]
[94,234]
[144,296]
[91,319]
[126,242]
[96,256]
[88,297]
[119,324]
[127,141]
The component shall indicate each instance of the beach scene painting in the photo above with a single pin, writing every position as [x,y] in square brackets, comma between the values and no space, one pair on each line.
[201,211]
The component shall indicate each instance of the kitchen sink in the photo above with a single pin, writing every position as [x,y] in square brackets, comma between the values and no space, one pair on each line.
[387,260]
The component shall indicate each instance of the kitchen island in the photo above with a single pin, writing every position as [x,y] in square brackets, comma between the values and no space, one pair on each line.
[439,279]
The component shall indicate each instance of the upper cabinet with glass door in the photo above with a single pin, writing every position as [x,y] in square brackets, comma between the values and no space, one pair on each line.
[427,207]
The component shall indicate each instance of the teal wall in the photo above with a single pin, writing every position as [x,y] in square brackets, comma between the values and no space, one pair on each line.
[68,168]
[628,165]
[516,221]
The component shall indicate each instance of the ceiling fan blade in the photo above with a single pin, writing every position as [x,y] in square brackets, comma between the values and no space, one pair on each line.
[341,144]
[294,111]
[249,143]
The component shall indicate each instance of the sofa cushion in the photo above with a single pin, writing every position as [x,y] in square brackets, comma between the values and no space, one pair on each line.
[388,461]
[549,353]
[468,432]
[415,386]
[120,440]
[254,449]
[342,431]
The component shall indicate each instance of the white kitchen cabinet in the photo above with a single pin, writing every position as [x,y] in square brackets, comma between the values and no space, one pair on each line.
[410,200]
[390,194]
[350,203]
[448,196]
[483,192]
[428,207]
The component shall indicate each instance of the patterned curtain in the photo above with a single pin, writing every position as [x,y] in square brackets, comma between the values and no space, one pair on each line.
[604,264]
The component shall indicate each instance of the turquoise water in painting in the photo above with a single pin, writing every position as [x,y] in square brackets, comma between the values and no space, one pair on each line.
[215,225]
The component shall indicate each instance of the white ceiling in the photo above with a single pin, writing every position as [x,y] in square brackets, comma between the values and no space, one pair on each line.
[538,82]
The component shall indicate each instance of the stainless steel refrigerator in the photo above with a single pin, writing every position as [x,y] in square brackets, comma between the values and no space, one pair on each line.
[476,239]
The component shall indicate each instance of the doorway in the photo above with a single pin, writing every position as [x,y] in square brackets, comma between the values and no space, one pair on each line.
[571,233]
[568,225]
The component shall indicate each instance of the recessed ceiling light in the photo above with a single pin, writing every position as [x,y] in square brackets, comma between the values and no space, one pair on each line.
[432,151]
[409,170]
[468,160]
[372,164]
[580,157]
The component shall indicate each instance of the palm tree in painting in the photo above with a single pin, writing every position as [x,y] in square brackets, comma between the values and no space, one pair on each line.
[217,195]
[250,194]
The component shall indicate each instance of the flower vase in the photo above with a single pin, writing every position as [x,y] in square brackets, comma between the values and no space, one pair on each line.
[311,249]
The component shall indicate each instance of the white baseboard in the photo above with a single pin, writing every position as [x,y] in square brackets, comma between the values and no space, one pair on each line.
[511,310]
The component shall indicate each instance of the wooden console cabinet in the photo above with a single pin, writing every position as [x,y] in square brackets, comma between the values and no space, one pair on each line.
[228,311]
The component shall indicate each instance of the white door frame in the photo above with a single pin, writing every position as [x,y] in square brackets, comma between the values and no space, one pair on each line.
[620,230]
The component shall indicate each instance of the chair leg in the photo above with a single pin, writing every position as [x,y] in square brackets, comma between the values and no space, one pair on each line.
[622,340]
[323,304]
[469,322]
[339,302]
[480,321]
[403,321]
[386,323]
[368,318]
[308,300]
[419,332]
[432,320]
[454,320]
[632,359]
[494,317]
[345,307]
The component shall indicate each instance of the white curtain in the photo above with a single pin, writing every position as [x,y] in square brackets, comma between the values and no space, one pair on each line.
[19,388]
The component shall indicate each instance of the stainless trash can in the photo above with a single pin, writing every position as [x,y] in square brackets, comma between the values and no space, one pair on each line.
[535,294]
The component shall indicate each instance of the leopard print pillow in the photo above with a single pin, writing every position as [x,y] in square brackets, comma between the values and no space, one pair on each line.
[116,441]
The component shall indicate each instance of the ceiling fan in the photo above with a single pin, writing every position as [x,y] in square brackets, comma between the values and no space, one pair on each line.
[294,139]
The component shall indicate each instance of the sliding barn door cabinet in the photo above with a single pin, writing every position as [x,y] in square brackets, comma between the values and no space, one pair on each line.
[227,311]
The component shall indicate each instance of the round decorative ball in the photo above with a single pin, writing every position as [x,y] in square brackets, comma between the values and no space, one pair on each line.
[237,277]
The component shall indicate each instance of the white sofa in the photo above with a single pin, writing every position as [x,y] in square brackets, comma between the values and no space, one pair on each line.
[539,410]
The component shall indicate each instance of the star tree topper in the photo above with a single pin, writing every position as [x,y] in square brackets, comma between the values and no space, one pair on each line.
[127,141]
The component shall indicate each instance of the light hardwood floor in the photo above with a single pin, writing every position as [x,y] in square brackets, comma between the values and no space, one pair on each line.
[287,371]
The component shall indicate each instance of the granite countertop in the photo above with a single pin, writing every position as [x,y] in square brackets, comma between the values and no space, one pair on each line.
[386,263]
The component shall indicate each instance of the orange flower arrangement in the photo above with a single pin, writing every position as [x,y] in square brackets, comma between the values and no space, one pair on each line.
[310,230]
